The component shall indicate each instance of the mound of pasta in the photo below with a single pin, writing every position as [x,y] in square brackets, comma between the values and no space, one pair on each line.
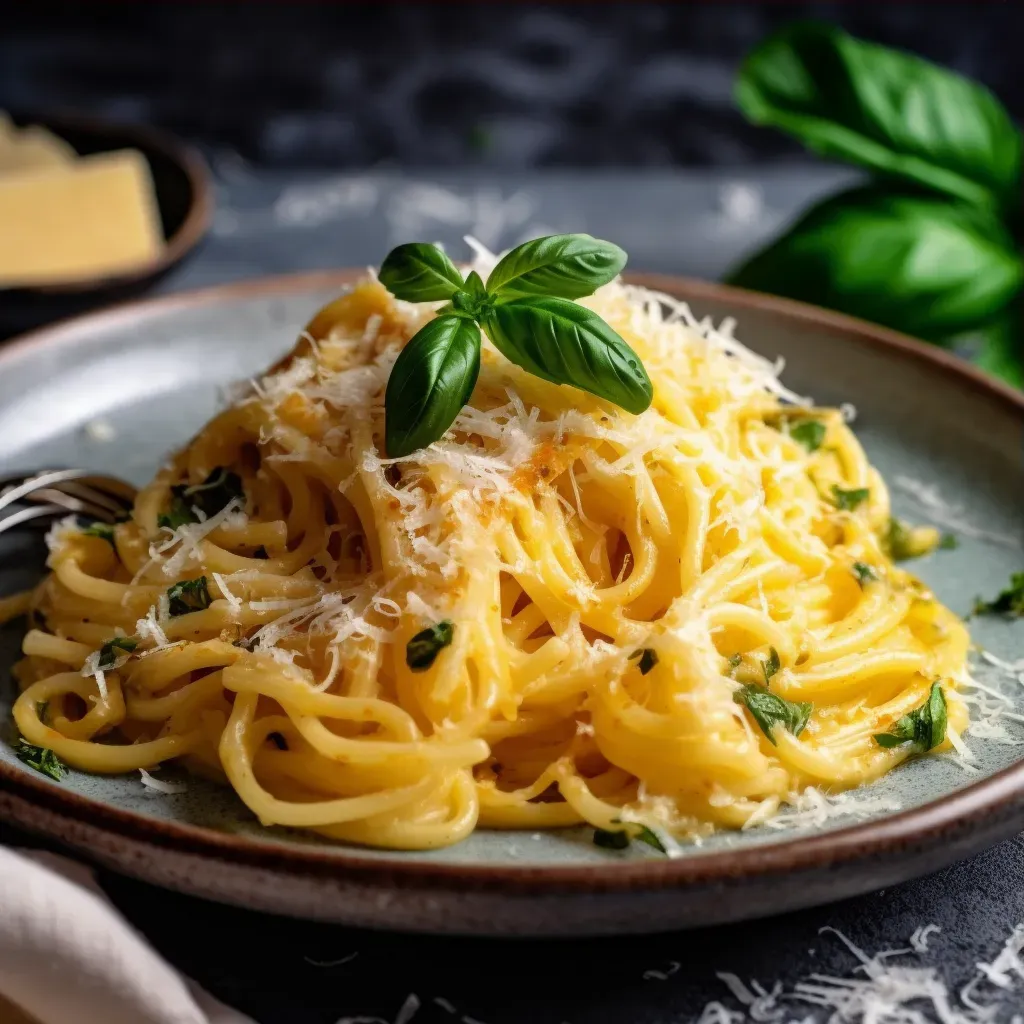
[559,613]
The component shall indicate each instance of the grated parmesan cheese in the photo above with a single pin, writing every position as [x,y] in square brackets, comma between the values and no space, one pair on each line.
[160,786]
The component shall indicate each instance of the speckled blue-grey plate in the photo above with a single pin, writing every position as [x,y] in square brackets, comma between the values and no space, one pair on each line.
[118,390]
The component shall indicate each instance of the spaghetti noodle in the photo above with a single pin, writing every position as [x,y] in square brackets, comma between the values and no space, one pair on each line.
[547,617]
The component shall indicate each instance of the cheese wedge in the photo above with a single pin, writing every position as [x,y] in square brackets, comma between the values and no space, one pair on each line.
[93,218]
[31,148]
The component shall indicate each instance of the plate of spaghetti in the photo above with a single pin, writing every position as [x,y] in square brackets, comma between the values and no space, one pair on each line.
[514,597]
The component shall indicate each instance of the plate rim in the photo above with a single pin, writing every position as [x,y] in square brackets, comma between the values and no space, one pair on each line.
[951,816]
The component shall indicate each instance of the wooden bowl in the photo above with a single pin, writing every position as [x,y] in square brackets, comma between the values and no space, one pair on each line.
[184,198]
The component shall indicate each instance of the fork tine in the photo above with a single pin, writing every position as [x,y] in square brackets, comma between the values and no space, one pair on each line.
[25,516]
[73,503]
[84,492]
[22,487]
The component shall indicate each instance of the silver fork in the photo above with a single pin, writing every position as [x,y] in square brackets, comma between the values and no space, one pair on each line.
[50,494]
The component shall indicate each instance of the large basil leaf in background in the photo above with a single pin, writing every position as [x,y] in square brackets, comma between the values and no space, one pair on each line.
[565,343]
[884,109]
[917,263]
[430,382]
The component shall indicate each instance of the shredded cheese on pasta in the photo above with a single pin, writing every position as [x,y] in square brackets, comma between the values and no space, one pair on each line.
[560,536]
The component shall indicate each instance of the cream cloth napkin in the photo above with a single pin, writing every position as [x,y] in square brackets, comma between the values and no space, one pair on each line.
[68,957]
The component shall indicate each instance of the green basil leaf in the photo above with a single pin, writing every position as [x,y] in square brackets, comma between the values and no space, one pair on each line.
[809,433]
[914,263]
[44,760]
[565,343]
[847,501]
[213,495]
[431,381]
[863,573]
[648,659]
[770,710]
[422,650]
[105,531]
[114,648]
[892,112]
[567,266]
[609,840]
[925,726]
[419,272]
[1009,601]
[471,301]
[188,596]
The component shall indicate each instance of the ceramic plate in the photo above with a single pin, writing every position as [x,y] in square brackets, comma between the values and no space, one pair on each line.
[117,391]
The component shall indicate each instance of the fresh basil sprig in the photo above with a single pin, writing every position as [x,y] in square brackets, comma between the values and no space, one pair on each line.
[526,308]
[929,246]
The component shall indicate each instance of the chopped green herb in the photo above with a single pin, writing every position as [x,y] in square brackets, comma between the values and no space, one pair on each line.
[422,650]
[925,726]
[112,649]
[1008,602]
[617,840]
[771,665]
[948,542]
[898,541]
[44,760]
[648,659]
[188,596]
[863,573]
[809,433]
[105,531]
[770,710]
[847,501]
[213,495]
[651,838]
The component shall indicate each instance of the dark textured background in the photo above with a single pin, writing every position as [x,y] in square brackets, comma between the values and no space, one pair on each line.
[335,131]
[503,85]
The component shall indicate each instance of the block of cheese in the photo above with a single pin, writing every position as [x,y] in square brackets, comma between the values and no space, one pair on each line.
[95,217]
[31,148]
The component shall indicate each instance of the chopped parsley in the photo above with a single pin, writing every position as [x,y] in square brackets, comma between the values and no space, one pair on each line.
[112,650]
[213,495]
[105,531]
[899,541]
[44,760]
[925,726]
[619,839]
[809,433]
[1007,602]
[948,542]
[648,659]
[422,650]
[188,596]
[847,501]
[608,840]
[770,666]
[863,573]
[770,710]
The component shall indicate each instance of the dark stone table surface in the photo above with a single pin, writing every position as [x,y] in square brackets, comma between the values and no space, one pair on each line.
[289,972]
